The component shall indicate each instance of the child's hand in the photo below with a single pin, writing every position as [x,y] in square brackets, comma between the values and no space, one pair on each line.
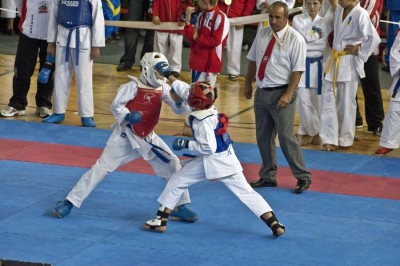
[156,20]
[51,48]
[95,53]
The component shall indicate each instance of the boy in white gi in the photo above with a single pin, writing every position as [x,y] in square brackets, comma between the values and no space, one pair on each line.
[315,30]
[136,108]
[75,35]
[215,159]
[390,138]
[355,38]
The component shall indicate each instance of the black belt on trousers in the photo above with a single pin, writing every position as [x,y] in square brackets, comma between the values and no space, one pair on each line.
[275,88]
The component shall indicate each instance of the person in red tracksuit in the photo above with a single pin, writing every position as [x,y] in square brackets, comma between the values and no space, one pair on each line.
[168,42]
[238,8]
[207,39]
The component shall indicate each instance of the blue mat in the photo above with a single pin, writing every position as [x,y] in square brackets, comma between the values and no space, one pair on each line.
[322,229]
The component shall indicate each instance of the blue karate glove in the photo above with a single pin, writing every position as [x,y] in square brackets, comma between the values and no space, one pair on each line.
[47,69]
[180,144]
[134,117]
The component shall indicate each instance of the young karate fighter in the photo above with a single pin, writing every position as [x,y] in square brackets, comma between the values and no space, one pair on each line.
[215,159]
[136,108]
[390,138]
[315,30]
[354,40]
[75,34]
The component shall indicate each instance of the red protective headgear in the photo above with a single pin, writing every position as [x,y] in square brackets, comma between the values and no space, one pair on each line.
[197,96]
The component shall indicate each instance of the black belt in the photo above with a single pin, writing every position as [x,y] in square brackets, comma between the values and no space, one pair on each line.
[275,88]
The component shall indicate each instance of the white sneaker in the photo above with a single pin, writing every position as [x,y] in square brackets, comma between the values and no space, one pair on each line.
[42,112]
[11,111]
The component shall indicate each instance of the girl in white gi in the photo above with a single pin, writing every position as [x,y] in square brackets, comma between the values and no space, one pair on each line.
[215,159]
[76,31]
[137,109]
[390,138]
[355,38]
[315,31]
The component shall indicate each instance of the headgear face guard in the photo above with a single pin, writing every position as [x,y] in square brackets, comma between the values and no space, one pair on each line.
[197,96]
[151,63]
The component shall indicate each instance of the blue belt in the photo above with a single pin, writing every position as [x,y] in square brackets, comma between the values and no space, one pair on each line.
[396,88]
[309,61]
[77,39]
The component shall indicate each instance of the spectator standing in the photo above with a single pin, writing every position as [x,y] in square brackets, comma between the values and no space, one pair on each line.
[168,42]
[354,40]
[390,138]
[111,11]
[374,113]
[207,39]
[277,59]
[393,8]
[9,15]
[32,43]
[138,10]
[75,35]
[238,8]
[315,30]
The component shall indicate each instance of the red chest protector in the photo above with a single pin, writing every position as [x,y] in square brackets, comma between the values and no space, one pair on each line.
[149,103]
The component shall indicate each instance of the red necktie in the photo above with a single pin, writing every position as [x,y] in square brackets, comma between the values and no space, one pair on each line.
[265,59]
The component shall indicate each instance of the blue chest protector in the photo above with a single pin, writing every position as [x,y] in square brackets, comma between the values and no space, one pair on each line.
[74,14]
[221,132]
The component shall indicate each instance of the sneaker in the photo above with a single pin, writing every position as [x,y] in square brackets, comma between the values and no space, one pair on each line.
[116,36]
[181,213]
[11,111]
[88,122]
[63,208]
[358,126]
[232,77]
[376,131]
[42,112]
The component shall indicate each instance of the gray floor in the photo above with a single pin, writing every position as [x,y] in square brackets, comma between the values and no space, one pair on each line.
[112,53]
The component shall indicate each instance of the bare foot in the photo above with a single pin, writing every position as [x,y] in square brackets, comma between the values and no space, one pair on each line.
[328,147]
[302,139]
[316,140]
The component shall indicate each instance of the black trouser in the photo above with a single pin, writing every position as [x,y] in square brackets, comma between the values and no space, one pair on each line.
[136,11]
[374,113]
[24,66]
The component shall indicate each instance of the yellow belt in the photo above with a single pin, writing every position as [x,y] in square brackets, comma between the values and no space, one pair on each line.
[335,56]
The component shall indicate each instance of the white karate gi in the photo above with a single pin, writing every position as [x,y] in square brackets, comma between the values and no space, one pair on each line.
[124,146]
[223,166]
[89,37]
[390,137]
[339,106]
[308,103]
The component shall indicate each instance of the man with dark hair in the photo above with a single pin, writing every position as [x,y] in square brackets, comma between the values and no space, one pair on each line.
[284,50]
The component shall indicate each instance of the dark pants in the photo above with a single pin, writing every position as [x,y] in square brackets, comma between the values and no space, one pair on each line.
[24,66]
[136,12]
[374,113]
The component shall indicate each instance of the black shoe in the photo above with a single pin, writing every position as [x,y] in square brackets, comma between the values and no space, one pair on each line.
[263,183]
[376,131]
[302,185]
[116,36]
[123,67]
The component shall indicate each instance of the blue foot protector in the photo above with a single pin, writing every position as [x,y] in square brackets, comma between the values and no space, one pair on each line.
[63,208]
[88,122]
[54,118]
[181,213]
